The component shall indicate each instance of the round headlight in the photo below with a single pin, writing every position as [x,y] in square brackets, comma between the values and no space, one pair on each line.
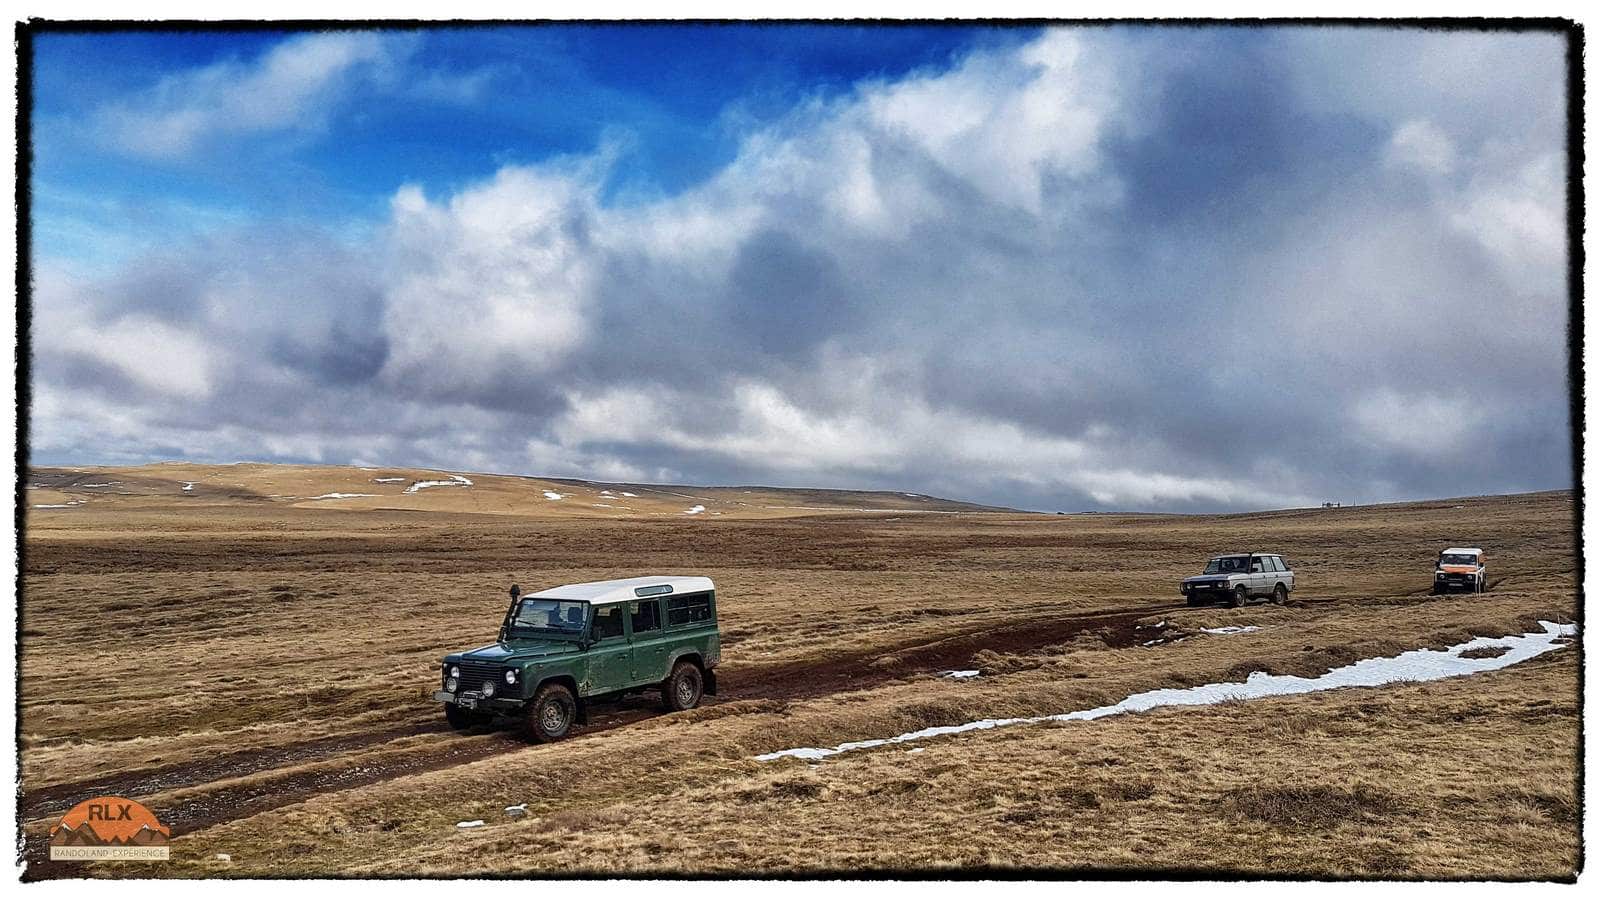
[455,671]
[511,676]
[450,684]
[488,689]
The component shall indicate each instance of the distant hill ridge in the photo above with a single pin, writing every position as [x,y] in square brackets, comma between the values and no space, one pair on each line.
[64,491]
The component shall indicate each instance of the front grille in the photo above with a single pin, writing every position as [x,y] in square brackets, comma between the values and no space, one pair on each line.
[474,674]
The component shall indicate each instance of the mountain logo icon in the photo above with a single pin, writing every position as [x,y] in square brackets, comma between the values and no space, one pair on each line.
[109,828]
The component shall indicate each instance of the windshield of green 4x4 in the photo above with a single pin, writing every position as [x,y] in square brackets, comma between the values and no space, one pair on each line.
[546,617]
[1227,565]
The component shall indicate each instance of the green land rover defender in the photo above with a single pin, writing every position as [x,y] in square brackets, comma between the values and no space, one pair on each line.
[560,649]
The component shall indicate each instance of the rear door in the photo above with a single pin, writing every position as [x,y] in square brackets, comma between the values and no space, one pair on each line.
[610,655]
[1283,573]
[649,646]
[1260,582]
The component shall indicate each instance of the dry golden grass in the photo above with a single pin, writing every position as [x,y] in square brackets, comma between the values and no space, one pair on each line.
[255,672]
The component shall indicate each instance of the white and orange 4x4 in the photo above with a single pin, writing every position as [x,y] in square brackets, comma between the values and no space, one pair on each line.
[1460,569]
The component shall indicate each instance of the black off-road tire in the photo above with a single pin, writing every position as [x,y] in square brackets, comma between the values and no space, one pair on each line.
[462,719]
[550,714]
[1241,596]
[683,688]
[1280,595]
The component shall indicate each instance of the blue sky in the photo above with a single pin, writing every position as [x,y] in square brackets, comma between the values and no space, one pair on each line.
[1058,268]
[674,101]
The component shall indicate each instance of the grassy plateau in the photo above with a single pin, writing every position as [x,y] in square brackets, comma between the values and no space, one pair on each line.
[251,659]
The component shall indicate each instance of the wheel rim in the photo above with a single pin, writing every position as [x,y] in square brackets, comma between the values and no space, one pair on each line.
[553,718]
[685,691]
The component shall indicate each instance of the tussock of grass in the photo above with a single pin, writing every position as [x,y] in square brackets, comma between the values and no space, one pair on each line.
[1312,806]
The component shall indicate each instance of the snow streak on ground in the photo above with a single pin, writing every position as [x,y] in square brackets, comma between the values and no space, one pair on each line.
[189,485]
[694,510]
[387,480]
[1232,629]
[1413,665]
[962,673]
[338,496]
[552,495]
[454,480]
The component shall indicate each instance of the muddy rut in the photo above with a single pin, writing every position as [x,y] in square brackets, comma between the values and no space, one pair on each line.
[796,681]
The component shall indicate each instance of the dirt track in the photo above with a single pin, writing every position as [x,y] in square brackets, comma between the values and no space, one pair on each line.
[792,682]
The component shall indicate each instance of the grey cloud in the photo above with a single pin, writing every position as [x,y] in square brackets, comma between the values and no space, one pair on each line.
[1215,285]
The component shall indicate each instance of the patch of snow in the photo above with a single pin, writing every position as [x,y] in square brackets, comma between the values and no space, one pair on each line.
[387,480]
[189,485]
[454,480]
[1413,665]
[962,673]
[917,750]
[1232,629]
[225,857]
[694,510]
[602,505]
[339,496]
[626,494]
[1160,624]
[99,484]
[552,495]
[54,505]
[475,823]
[517,810]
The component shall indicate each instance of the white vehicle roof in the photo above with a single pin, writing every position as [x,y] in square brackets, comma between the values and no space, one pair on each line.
[620,589]
[1473,550]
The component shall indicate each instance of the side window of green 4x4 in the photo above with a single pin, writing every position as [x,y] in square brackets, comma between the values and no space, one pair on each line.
[646,616]
[607,622]
[688,609]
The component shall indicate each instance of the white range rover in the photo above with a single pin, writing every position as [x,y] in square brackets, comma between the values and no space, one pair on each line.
[1237,578]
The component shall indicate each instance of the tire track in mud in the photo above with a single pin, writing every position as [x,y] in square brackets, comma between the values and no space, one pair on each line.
[794,681]
[58,798]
